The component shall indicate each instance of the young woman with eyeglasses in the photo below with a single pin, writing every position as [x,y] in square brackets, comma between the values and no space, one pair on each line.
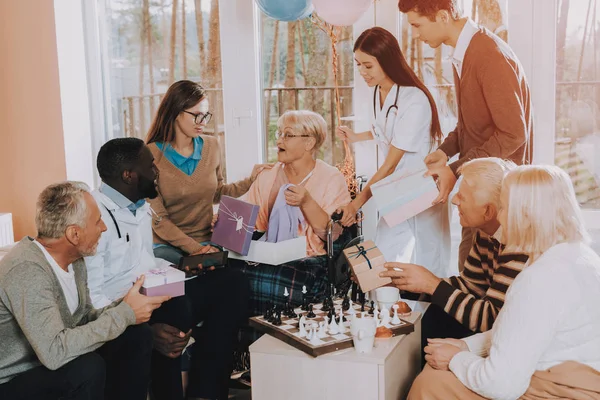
[190,173]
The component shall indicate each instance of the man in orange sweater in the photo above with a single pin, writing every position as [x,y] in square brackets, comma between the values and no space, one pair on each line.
[495,115]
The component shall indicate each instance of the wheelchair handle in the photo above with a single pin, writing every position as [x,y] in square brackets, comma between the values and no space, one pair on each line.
[337,216]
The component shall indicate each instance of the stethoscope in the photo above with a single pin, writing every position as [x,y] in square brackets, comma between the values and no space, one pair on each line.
[390,108]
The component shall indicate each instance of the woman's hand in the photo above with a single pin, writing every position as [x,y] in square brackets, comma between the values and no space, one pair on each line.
[346,134]
[214,221]
[439,352]
[258,168]
[206,249]
[297,196]
[349,214]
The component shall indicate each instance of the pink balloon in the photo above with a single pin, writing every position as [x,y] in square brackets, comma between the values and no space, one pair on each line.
[341,12]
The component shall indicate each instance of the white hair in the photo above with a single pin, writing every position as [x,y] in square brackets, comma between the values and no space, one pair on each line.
[59,206]
[305,122]
[484,176]
[542,210]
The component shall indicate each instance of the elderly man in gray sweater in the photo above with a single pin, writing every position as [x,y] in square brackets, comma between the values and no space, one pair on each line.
[54,343]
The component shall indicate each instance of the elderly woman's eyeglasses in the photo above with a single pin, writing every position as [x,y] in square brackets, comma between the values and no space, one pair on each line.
[285,135]
[200,117]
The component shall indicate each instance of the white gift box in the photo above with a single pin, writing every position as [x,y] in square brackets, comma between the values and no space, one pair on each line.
[400,197]
[274,253]
[164,281]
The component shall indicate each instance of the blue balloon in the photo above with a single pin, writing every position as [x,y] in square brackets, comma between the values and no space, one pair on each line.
[286,10]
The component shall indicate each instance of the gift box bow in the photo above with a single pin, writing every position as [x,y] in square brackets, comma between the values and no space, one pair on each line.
[158,272]
[362,252]
[239,220]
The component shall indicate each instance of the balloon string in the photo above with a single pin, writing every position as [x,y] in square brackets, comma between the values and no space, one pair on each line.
[347,166]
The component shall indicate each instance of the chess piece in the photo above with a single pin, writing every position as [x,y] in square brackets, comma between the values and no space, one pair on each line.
[362,307]
[346,303]
[396,320]
[385,317]
[314,339]
[322,330]
[302,327]
[351,309]
[291,313]
[342,326]
[286,293]
[277,320]
[330,314]
[310,314]
[326,304]
[333,327]
[371,308]
[304,306]
[267,313]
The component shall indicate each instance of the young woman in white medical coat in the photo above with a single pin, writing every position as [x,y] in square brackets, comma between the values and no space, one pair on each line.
[406,127]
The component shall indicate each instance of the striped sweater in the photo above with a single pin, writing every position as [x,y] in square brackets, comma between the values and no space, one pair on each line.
[476,296]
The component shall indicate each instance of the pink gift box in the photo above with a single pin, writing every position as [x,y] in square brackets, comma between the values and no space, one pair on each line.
[164,281]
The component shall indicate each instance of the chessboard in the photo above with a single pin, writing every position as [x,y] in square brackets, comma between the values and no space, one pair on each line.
[288,330]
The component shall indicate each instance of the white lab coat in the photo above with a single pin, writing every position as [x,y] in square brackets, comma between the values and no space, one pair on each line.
[120,261]
[425,238]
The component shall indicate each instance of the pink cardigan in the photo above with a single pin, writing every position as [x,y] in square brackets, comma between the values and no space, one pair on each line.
[327,187]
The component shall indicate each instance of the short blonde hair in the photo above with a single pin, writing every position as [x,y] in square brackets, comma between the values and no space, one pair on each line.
[484,176]
[542,210]
[305,122]
[59,206]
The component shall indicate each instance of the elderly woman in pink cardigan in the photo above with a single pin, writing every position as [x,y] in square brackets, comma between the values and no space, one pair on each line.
[296,198]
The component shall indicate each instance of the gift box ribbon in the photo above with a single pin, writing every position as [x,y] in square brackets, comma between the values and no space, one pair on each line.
[362,252]
[158,272]
[239,220]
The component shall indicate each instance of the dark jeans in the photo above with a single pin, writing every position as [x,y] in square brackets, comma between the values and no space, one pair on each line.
[436,323]
[219,299]
[123,364]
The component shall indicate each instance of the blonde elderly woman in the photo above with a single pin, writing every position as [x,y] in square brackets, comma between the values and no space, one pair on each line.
[544,343]
[305,191]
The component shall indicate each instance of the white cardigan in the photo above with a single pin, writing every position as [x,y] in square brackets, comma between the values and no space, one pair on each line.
[551,315]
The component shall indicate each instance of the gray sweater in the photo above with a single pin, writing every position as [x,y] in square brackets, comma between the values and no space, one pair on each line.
[36,326]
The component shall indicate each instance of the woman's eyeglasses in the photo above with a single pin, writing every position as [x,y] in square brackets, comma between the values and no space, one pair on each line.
[200,118]
[285,135]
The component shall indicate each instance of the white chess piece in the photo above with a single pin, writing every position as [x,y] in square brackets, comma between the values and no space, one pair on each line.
[385,317]
[333,326]
[396,320]
[322,330]
[301,326]
[351,310]
[326,323]
[315,337]
[304,289]
[376,312]
[342,326]
[286,293]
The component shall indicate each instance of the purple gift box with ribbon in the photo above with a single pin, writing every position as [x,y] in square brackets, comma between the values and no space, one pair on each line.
[164,281]
[235,225]
[367,261]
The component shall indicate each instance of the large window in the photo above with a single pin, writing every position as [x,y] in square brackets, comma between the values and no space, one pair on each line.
[149,45]
[577,145]
[297,74]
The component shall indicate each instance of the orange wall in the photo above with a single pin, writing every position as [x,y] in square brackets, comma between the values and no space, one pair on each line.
[32,151]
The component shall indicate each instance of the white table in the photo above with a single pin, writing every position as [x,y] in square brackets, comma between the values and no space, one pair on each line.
[279,371]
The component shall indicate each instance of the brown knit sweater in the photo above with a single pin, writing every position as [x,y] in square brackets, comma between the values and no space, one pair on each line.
[495,117]
[184,205]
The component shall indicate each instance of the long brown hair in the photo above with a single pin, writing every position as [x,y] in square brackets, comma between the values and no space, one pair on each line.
[381,44]
[180,96]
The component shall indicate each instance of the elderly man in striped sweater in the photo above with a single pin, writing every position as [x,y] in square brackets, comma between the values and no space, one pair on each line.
[468,303]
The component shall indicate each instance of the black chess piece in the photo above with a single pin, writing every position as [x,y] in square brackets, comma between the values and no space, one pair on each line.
[346,303]
[274,312]
[290,312]
[326,305]
[371,310]
[330,315]
[267,313]
[304,306]
[362,307]
[277,320]
[310,314]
